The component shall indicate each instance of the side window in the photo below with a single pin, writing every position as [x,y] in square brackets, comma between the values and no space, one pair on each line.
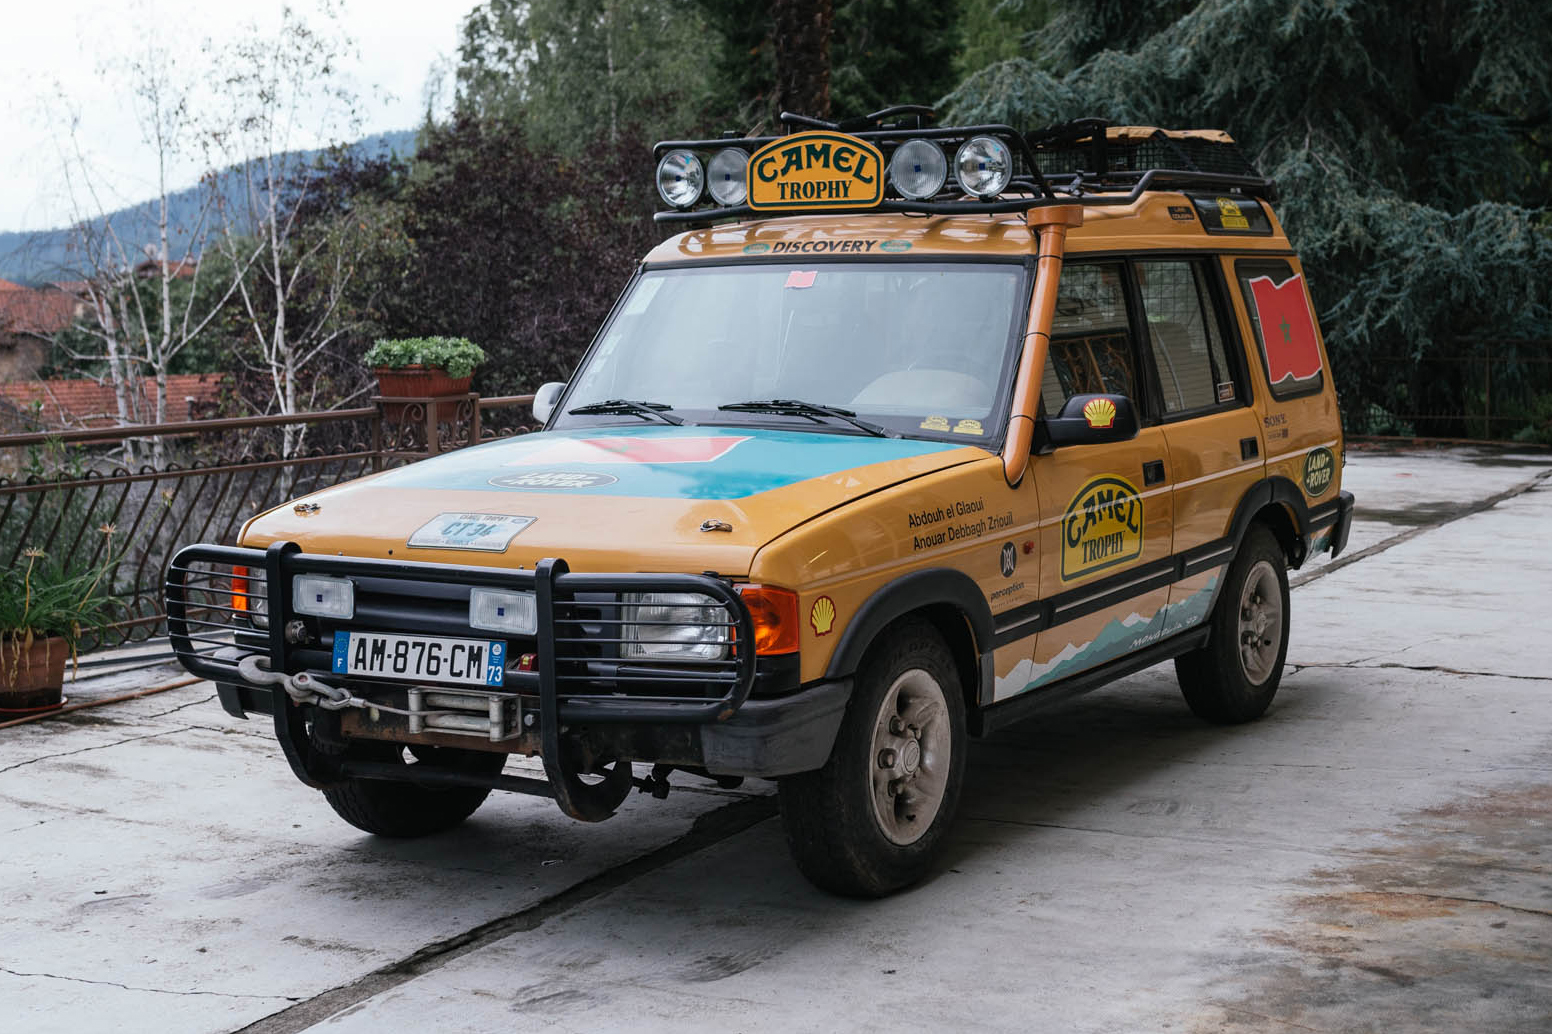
[1186,336]
[1279,309]
[1091,341]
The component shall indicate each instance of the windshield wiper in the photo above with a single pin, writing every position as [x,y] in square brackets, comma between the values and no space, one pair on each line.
[797,407]
[629,407]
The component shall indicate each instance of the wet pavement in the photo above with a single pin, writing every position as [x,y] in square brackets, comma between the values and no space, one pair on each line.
[1372,855]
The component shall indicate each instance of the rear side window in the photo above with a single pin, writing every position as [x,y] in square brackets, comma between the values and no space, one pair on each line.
[1185,336]
[1279,307]
[1091,341]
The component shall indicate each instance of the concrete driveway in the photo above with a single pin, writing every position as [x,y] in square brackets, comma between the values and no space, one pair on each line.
[1372,855]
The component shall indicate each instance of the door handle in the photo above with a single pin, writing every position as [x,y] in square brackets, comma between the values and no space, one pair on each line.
[1249,449]
[1153,472]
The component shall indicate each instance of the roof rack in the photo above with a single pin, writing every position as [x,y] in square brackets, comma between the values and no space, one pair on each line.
[1086,160]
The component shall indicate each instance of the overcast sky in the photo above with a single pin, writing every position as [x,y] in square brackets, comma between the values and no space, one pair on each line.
[59,48]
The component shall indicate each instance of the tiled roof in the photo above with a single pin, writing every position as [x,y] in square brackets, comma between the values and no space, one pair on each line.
[86,403]
[6,285]
[26,311]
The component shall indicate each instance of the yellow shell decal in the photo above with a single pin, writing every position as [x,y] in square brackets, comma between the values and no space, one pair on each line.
[816,170]
[822,615]
[1102,527]
[1100,413]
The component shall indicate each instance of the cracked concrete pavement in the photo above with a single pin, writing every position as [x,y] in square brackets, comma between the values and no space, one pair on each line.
[1369,856]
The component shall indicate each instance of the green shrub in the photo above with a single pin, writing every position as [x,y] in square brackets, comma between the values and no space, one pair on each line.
[40,598]
[458,356]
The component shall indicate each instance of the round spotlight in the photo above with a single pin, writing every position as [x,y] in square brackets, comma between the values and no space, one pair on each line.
[680,178]
[984,166]
[918,169]
[726,176]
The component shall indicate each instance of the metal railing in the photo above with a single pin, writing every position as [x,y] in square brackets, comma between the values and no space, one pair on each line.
[71,496]
[1491,391]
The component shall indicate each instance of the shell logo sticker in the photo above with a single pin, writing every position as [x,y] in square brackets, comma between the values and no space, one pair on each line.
[1102,527]
[822,616]
[1100,413]
[816,170]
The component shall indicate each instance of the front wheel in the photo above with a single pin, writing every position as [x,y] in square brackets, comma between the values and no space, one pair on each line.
[874,817]
[1234,676]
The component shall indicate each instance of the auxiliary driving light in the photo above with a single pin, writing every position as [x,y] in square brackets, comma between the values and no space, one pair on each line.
[984,166]
[323,596]
[918,169]
[680,178]
[516,613]
[726,176]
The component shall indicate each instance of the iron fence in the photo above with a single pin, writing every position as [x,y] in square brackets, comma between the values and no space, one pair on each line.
[71,497]
[1489,391]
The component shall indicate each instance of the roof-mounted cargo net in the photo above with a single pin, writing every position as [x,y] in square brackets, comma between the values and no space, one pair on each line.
[1090,155]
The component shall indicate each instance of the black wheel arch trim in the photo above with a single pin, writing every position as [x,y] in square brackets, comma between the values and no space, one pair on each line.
[907,593]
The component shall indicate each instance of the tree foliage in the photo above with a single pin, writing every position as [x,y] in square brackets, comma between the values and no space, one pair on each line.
[1410,143]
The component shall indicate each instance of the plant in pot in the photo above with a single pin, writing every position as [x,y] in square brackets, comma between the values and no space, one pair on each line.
[45,608]
[424,368]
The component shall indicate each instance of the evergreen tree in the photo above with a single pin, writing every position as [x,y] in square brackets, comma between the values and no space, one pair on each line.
[1411,144]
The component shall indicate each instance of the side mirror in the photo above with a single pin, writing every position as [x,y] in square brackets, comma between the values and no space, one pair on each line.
[545,399]
[1089,420]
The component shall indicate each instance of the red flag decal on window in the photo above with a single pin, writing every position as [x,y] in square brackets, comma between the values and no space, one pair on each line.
[1287,329]
[802,278]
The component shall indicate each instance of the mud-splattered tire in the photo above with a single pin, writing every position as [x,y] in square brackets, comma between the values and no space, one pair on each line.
[1234,676]
[397,809]
[875,816]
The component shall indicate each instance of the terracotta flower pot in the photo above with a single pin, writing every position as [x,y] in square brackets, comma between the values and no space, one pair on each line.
[32,678]
[420,382]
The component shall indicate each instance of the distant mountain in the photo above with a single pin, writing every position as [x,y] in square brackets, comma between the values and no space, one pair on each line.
[44,255]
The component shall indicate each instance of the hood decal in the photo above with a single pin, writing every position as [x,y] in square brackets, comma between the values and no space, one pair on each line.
[663,463]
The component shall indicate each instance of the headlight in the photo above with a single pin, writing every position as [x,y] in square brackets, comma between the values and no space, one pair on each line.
[918,169]
[680,178]
[726,176]
[515,613]
[984,166]
[323,596]
[675,626]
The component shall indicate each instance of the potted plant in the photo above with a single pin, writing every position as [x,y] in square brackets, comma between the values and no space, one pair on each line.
[424,368]
[45,608]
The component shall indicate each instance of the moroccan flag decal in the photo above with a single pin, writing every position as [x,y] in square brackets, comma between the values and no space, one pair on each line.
[1287,330]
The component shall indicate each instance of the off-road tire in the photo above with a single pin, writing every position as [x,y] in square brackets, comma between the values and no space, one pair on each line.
[838,819]
[390,808]
[1225,682]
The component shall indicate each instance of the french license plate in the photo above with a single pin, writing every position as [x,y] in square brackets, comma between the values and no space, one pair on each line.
[420,658]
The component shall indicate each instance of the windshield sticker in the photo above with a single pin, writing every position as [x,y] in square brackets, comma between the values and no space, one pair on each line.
[935,423]
[1102,527]
[1319,466]
[642,296]
[488,532]
[1287,330]
[822,616]
[1226,392]
[800,278]
[968,427]
[701,449]
[561,479]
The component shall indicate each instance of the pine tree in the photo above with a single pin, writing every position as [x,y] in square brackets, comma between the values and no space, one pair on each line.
[1411,144]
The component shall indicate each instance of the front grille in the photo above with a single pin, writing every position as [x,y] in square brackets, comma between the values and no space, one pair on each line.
[578,654]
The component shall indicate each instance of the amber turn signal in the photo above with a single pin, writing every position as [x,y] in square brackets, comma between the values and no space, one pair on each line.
[239,588]
[775,615]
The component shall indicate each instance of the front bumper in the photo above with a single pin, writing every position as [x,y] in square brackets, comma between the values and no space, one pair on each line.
[572,681]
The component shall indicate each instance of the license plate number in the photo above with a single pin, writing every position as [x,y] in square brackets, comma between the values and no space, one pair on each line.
[420,658]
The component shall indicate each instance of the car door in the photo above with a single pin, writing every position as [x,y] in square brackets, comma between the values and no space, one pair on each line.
[1105,510]
[1214,436]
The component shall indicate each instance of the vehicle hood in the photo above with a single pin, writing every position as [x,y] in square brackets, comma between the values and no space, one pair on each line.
[613,499]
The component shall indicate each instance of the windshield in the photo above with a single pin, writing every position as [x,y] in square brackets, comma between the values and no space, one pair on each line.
[916,348]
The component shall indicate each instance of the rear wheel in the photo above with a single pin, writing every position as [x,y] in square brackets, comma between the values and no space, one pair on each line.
[391,808]
[874,817]
[1234,677]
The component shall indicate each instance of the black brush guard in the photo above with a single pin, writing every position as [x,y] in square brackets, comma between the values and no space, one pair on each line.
[566,675]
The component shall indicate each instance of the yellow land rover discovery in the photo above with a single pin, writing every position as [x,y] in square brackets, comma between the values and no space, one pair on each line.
[914,432]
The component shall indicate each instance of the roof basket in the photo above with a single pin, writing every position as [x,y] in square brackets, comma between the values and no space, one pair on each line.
[1093,155]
